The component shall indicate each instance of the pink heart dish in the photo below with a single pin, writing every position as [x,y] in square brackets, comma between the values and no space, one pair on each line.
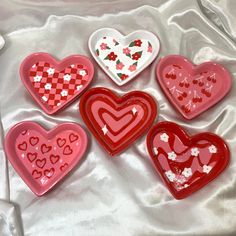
[55,84]
[123,57]
[192,89]
[42,158]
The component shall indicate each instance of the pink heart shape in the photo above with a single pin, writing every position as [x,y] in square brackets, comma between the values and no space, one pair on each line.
[55,84]
[192,89]
[42,165]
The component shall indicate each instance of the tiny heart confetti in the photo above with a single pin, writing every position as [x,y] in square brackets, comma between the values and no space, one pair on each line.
[116,121]
[192,89]
[123,57]
[55,84]
[42,158]
[186,164]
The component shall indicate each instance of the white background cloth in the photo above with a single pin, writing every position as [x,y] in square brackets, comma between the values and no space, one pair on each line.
[122,195]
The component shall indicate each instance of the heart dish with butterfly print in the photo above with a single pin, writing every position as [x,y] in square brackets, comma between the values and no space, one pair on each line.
[42,158]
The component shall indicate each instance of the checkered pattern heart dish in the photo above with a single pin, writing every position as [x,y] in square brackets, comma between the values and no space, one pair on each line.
[55,84]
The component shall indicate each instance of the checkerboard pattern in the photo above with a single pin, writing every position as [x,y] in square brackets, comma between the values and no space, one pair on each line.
[56,87]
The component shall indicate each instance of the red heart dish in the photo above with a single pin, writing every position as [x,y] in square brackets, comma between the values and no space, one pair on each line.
[185,163]
[42,158]
[192,89]
[55,84]
[115,121]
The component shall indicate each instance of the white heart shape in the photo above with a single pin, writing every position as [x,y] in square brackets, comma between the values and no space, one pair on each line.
[2,42]
[129,62]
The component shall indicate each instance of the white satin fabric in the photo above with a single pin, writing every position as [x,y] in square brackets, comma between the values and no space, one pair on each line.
[122,195]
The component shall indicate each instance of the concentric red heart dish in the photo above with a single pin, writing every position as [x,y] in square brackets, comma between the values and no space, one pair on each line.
[116,121]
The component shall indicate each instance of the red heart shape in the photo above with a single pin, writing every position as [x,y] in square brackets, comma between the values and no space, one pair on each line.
[115,121]
[45,164]
[40,163]
[192,89]
[45,148]
[32,156]
[54,158]
[55,84]
[34,140]
[185,163]
[67,150]
[49,173]
[22,146]
[36,174]
[73,138]
[61,142]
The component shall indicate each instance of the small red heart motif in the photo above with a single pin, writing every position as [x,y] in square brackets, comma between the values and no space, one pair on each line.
[192,89]
[115,121]
[67,150]
[185,163]
[34,140]
[55,84]
[45,148]
[24,132]
[63,166]
[36,174]
[73,138]
[54,158]
[61,142]
[32,156]
[41,163]
[49,173]
[22,146]
[45,163]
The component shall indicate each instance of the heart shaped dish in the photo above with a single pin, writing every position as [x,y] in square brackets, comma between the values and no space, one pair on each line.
[123,57]
[192,89]
[42,158]
[116,121]
[186,164]
[55,84]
